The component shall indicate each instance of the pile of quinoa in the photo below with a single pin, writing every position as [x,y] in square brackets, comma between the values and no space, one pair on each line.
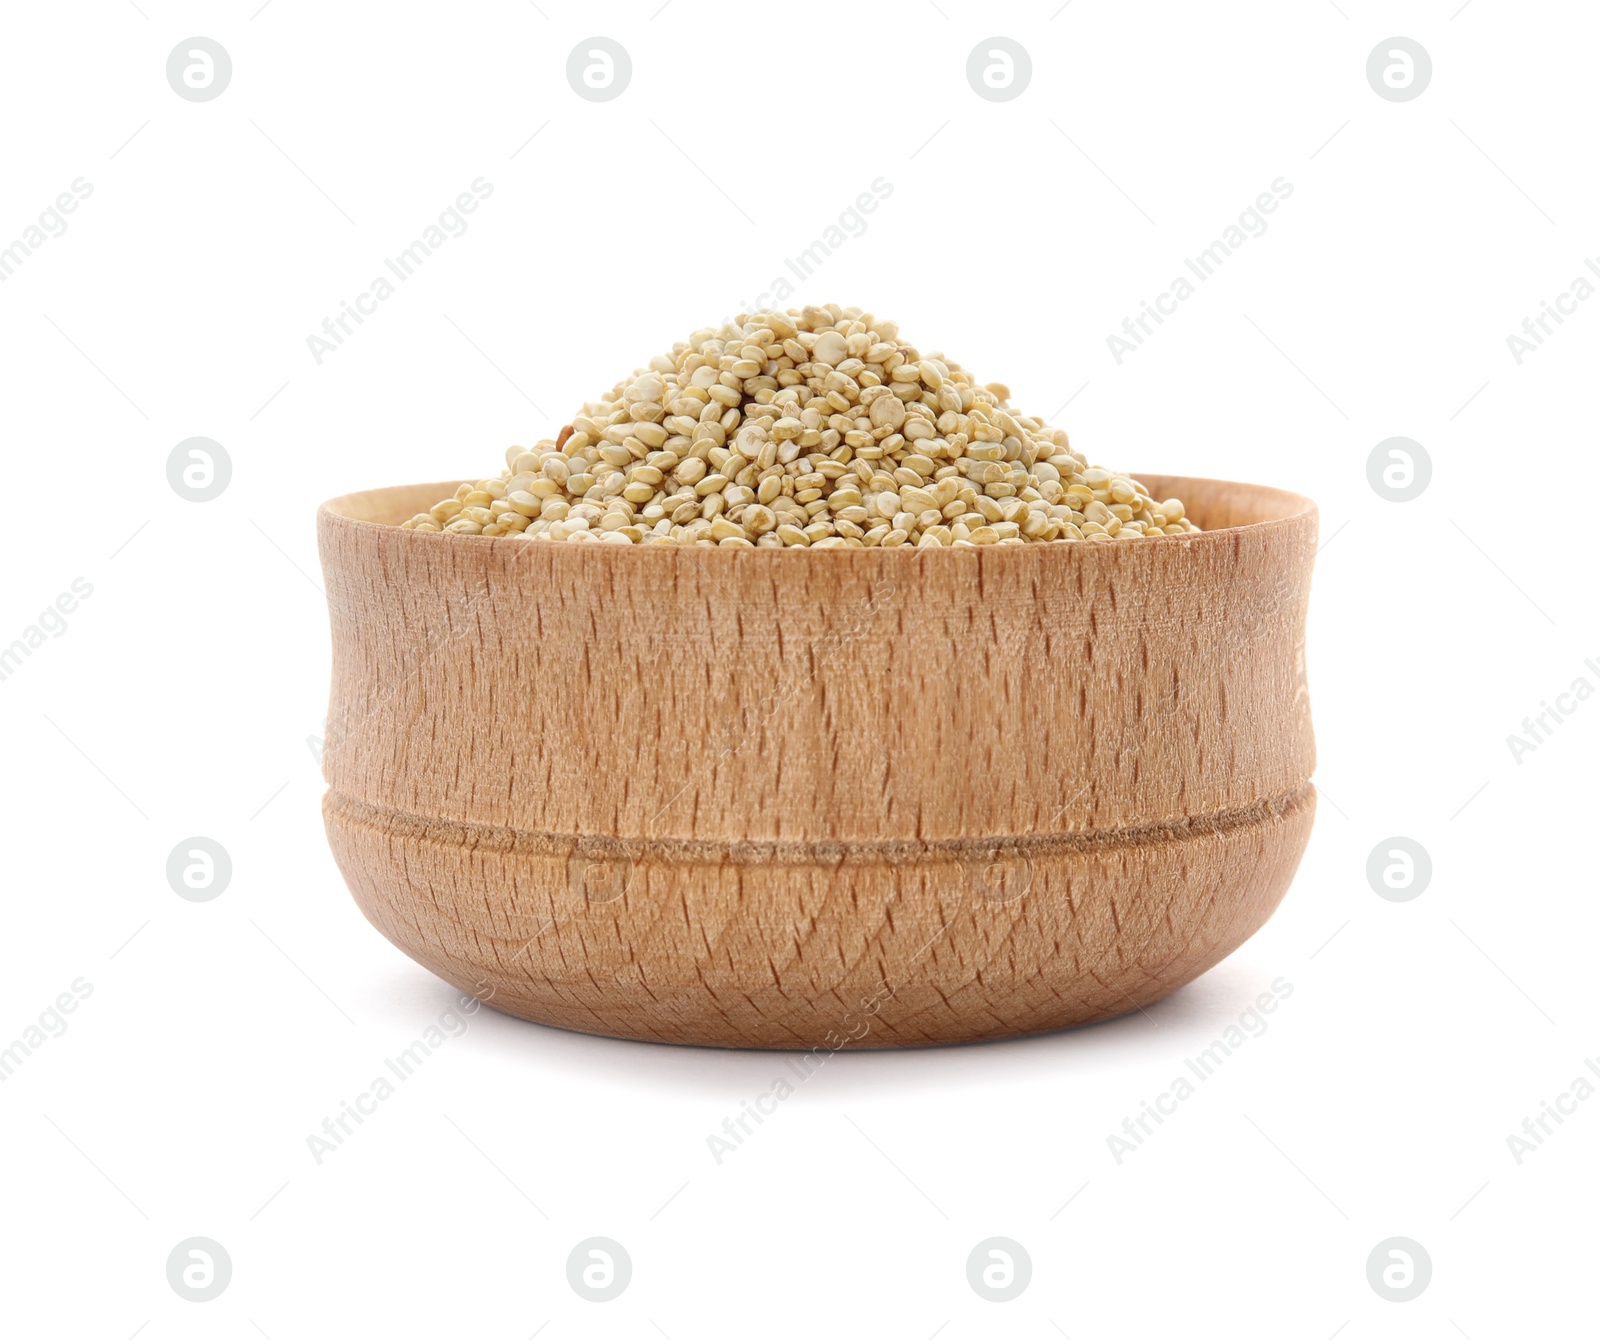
[816,427]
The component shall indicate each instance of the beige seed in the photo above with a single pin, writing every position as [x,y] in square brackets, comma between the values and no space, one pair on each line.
[829,348]
[888,412]
[525,503]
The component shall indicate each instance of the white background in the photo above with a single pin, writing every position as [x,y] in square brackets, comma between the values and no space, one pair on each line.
[180,698]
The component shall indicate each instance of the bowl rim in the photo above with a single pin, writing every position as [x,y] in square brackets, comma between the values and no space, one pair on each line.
[1298,510]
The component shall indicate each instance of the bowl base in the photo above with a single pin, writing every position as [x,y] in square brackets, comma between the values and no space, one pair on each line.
[855,945]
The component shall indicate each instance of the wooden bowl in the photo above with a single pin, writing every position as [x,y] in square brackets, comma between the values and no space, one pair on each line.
[857,797]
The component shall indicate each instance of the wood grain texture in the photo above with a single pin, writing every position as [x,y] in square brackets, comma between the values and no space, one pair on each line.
[804,800]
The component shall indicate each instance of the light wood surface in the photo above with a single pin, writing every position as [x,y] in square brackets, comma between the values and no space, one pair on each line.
[855,798]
